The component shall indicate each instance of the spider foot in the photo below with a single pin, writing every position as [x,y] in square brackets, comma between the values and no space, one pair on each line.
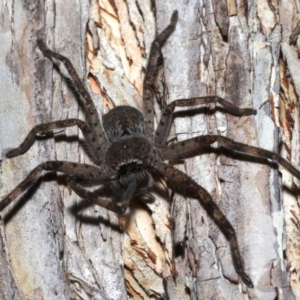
[248,111]
[12,153]
[41,44]
[246,279]
[174,17]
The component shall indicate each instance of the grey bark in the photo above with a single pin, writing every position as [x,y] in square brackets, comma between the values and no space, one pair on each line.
[56,248]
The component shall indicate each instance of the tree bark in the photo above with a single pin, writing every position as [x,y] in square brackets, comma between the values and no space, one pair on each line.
[56,247]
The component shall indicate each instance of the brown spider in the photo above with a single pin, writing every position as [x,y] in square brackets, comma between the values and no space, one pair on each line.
[127,151]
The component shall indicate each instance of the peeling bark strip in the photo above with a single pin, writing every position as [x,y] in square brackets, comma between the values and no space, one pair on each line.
[57,248]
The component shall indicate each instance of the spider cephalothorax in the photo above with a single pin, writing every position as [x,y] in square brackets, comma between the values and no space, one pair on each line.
[127,150]
[134,149]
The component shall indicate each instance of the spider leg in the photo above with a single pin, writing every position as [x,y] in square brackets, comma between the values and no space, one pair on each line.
[90,108]
[43,129]
[185,185]
[164,124]
[94,198]
[151,72]
[81,171]
[191,147]
[116,188]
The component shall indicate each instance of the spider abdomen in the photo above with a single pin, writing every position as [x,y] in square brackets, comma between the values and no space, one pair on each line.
[123,121]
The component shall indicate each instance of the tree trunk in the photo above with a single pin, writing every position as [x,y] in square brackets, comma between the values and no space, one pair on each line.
[54,246]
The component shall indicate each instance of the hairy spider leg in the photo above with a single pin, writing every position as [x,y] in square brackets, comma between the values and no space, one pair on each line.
[151,72]
[187,186]
[95,199]
[165,122]
[91,113]
[79,171]
[44,129]
[190,147]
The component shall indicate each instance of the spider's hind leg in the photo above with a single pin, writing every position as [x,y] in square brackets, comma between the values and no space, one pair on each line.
[151,72]
[91,113]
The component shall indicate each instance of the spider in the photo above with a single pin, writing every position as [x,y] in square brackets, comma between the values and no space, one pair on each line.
[128,153]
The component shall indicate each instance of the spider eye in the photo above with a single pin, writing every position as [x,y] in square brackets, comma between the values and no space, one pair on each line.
[129,168]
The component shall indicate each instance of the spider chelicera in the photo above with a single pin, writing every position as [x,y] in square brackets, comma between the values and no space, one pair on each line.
[127,151]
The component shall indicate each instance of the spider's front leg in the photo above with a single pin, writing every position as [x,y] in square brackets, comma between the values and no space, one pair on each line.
[83,171]
[187,186]
[76,172]
[95,199]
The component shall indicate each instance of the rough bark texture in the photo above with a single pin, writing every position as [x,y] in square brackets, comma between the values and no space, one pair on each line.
[53,247]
